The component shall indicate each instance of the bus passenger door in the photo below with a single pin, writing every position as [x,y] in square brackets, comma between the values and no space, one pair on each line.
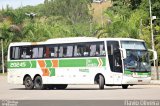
[114,56]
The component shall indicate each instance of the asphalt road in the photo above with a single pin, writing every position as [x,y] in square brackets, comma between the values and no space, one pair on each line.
[79,92]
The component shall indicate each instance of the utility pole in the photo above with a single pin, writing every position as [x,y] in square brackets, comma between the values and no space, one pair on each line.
[152,36]
[2,56]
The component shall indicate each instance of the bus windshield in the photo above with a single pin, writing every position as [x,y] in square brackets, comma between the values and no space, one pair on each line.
[133,45]
[137,56]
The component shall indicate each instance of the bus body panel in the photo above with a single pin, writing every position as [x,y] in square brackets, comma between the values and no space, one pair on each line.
[73,76]
[55,75]
[74,70]
[17,76]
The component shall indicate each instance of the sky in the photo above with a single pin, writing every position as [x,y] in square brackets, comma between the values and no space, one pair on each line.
[18,3]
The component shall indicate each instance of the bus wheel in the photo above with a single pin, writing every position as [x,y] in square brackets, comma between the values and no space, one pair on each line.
[38,84]
[101,82]
[124,86]
[61,86]
[28,83]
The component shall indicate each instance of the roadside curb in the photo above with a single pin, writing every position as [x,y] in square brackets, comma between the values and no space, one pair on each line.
[155,82]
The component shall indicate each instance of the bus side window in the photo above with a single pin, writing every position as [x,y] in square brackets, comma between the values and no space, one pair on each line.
[55,53]
[26,53]
[37,52]
[82,49]
[66,51]
[78,50]
[60,51]
[93,50]
[40,53]
[86,50]
[15,53]
[102,50]
[47,54]
[64,54]
[69,51]
[89,49]
[51,51]
[97,49]
[75,51]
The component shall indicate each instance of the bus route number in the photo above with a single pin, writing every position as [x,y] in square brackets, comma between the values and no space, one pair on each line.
[18,64]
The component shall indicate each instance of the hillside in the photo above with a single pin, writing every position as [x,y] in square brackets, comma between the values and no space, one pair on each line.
[98,10]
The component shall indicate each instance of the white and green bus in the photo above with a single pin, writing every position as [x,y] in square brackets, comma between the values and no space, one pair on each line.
[58,62]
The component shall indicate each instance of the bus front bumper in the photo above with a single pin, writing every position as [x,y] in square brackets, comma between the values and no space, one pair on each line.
[136,80]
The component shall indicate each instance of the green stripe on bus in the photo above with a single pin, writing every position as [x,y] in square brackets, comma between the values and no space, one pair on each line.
[92,62]
[104,61]
[48,63]
[72,63]
[88,62]
[22,64]
[52,71]
[33,64]
[82,62]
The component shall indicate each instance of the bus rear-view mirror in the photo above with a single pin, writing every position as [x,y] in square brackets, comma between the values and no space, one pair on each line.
[154,54]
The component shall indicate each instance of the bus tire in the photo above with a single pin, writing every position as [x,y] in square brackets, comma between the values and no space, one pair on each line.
[28,83]
[61,86]
[124,86]
[38,83]
[101,82]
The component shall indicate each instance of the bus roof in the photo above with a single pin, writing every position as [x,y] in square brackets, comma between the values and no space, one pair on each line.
[73,40]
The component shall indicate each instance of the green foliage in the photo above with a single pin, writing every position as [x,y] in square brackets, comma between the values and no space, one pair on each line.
[130,18]
[157,40]
[73,10]
[72,18]
[125,27]
[53,19]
